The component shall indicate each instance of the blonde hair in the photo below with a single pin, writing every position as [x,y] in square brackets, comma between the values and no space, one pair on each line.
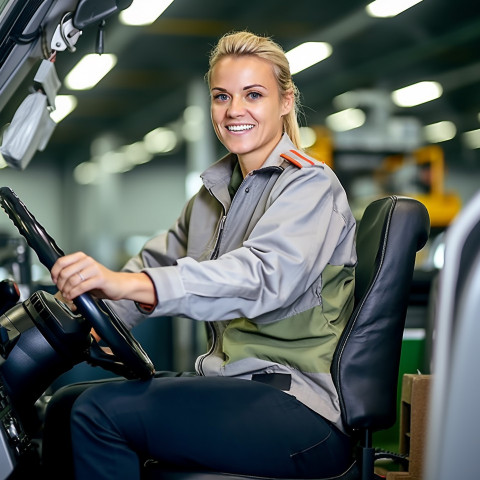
[246,43]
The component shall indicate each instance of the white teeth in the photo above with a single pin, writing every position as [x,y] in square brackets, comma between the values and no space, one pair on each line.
[239,128]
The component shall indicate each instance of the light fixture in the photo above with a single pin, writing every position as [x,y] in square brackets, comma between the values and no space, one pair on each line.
[86,173]
[389,8]
[160,140]
[307,137]
[89,71]
[136,153]
[115,162]
[439,132]
[64,105]
[346,119]
[417,93]
[307,54]
[143,12]
[472,138]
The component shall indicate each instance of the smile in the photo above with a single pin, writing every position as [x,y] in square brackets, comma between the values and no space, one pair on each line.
[239,128]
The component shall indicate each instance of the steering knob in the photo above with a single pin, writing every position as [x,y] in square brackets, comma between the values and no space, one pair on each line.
[10,295]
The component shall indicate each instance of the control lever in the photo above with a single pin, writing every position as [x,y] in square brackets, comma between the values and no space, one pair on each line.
[100,43]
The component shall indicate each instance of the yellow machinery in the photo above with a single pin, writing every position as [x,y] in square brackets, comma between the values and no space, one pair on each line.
[421,176]
[418,175]
[322,149]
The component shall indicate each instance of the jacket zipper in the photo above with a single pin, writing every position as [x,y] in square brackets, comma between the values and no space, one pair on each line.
[211,327]
[219,238]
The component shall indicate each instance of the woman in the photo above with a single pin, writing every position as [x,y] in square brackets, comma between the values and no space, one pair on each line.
[265,254]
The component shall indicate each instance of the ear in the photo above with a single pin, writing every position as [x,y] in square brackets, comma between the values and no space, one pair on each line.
[288,101]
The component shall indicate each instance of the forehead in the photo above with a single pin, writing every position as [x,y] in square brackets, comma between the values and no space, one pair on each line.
[242,71]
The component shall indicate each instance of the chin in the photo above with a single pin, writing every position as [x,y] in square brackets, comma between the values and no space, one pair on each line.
[239,146]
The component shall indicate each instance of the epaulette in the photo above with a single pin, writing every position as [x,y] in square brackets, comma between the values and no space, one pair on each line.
[299,159]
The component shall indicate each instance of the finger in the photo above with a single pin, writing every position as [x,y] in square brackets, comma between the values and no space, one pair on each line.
[90,279]
[64,262]
[77,285]
[73,274]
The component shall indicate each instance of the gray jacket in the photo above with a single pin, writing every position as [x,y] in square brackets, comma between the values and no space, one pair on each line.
[271,271]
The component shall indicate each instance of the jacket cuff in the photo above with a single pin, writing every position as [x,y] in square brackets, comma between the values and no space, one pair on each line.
[168,288]
[145,308]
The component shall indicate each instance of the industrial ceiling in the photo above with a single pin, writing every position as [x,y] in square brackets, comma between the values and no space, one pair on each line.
[434,40]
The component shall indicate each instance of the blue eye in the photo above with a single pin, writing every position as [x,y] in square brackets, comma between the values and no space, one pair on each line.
[254,95]
[221,96]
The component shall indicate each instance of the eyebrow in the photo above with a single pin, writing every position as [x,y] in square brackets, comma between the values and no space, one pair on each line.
[248,87]
[255,85]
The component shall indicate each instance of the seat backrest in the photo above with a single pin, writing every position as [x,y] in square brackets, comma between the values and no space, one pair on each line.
[366,361]
[453,434]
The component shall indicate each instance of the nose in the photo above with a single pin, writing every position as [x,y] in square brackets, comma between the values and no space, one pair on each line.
[236,107]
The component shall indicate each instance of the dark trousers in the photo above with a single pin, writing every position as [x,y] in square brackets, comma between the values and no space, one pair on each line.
[214,423]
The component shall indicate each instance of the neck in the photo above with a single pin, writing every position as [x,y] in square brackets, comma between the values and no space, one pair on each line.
[254,160]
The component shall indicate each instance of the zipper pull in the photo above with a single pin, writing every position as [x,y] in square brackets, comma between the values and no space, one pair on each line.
[219,237]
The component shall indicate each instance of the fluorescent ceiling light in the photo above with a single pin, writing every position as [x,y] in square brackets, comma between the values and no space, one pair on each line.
[307,54]
[160,140]
[472,138]
[417,93]
[439,132]
[89,71]
[115,162]
[346,119]
[64,105]
[136,153]
[143,12]
[86,173]
[389,8]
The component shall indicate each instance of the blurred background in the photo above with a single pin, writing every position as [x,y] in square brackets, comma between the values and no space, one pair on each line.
[392,104]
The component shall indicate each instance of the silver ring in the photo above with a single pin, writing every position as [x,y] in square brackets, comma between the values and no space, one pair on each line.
[82,278]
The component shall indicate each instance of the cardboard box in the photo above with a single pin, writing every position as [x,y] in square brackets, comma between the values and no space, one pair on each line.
[413,423]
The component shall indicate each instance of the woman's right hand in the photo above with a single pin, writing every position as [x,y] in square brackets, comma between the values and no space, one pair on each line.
[78,273]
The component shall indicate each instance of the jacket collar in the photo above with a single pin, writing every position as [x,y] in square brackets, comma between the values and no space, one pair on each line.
[221,171]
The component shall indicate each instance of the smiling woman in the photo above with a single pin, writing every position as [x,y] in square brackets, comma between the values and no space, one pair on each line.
[247,108]
[243,45]
[264,254]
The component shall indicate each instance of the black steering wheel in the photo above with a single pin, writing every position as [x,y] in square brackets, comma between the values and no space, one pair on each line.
[102,319]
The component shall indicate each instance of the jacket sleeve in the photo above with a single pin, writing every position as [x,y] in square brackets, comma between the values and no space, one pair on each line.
[302,230]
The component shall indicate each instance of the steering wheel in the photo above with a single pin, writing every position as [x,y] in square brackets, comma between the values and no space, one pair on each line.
[101,318]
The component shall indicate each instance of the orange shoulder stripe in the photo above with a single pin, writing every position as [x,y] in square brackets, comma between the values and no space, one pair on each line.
[292,160]
[302,157]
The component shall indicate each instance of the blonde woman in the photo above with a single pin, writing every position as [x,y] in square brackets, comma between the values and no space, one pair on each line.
[263,254]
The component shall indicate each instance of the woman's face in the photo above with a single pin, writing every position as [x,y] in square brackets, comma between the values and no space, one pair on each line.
[247,108]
